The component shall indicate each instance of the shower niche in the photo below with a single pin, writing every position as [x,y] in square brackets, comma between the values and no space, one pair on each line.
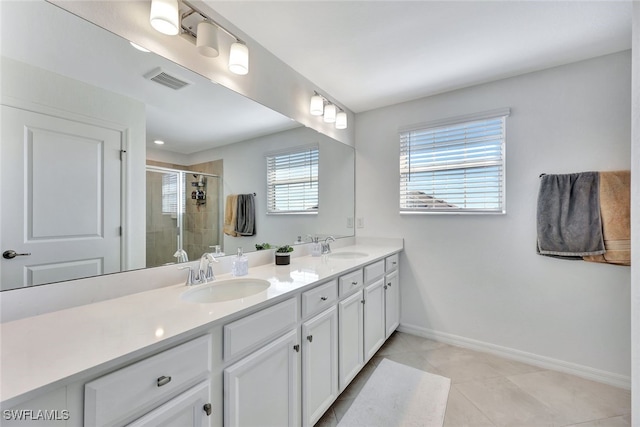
[183,215]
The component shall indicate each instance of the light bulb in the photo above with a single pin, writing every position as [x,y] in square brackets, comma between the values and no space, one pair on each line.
[164,16]
[341,120]
[330,113]
[316,108]
[207,39]
[239,59]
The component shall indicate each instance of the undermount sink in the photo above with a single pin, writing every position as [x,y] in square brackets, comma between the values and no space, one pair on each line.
[347,255]
[225,290]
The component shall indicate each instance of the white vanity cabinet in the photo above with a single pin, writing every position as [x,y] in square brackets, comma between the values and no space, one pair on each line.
[374,308]
[171,388]
[262,388]
[190,409]
[392,295]
[351,337]
[368,313]
[319,364]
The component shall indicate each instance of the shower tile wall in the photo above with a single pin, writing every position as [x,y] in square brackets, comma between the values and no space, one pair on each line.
[201,222]
[161,228]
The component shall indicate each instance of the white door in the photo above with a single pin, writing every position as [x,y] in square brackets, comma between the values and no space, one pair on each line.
[189,409]
[61,202]
[374,331]
[263,389]
[351,338]
[392,303]
[319,365]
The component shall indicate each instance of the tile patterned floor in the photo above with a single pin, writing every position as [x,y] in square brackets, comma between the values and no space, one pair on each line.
[487,390]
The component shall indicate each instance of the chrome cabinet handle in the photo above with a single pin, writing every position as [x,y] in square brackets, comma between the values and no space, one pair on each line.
[11,254]
[163,380]
[310,338]
[296,347]
[207,408]
[389,284]
[323,298]
[354,283]
[385,287]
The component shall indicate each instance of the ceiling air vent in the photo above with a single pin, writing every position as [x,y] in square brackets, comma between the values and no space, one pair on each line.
[160,76]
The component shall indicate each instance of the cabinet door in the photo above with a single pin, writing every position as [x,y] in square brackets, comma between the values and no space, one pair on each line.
[351,338]
[374,330]
[319,365]
[263,389]
[186,410]
[392,303]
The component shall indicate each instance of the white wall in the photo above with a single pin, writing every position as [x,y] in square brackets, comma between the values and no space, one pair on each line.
[477,279]
[245,171]
[635,212]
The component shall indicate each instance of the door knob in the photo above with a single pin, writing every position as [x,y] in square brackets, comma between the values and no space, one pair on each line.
[207,408]
[11,254]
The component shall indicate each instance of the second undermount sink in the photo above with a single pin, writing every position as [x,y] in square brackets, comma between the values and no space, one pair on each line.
[225,290]
[347,255]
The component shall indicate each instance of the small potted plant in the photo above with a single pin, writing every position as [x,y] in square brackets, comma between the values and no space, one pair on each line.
[283,256]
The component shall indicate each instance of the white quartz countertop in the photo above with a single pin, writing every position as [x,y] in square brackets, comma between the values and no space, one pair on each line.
[42,351]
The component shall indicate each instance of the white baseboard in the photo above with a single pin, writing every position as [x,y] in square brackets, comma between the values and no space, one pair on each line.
[605,377]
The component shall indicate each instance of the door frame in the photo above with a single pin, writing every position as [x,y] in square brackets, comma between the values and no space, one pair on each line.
[125,139]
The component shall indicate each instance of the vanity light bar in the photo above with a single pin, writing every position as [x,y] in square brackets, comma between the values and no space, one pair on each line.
[207,43]
[331,113]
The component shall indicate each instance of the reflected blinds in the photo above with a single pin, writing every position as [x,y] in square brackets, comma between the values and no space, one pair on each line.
[170,193]
[292,181]
[454,167]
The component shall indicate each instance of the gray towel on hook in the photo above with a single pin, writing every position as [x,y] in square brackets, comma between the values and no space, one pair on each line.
[246,215]
[568,220]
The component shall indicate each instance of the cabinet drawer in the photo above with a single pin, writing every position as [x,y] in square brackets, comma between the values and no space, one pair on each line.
[350,282]
[319,298]
[373,271]
[138,388]
[391,263]
[248,332]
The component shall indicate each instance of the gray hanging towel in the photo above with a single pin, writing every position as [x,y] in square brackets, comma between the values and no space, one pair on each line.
[568,220]
[246,215]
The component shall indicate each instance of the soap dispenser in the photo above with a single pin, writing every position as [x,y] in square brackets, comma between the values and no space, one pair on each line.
[240,264]
[316,246]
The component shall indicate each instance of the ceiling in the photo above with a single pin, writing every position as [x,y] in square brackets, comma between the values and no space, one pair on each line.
[370,54]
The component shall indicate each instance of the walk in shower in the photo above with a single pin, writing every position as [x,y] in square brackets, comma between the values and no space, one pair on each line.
[183,215]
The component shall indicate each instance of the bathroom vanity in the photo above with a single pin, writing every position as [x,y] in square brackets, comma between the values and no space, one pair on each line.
[279,357]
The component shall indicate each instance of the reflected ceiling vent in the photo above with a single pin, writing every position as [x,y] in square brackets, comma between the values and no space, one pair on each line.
[160,76]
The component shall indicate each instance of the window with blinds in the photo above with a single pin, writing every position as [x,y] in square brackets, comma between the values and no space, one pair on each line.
[292,181]
[454,166]
[170,193]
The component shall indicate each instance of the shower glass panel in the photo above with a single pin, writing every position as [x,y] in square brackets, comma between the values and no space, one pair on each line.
[183,215]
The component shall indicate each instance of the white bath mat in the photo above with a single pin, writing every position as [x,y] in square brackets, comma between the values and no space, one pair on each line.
[401,396]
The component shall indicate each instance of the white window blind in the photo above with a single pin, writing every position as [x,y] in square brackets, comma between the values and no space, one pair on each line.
[170,193]
[454,167]
[292,181]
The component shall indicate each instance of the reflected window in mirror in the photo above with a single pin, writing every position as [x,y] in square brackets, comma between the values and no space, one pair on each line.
[292,181]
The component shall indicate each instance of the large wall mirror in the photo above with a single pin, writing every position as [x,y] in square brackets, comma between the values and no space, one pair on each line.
[86,191]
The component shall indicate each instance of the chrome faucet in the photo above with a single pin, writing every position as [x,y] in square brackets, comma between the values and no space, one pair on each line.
[204,273]
[326,249]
